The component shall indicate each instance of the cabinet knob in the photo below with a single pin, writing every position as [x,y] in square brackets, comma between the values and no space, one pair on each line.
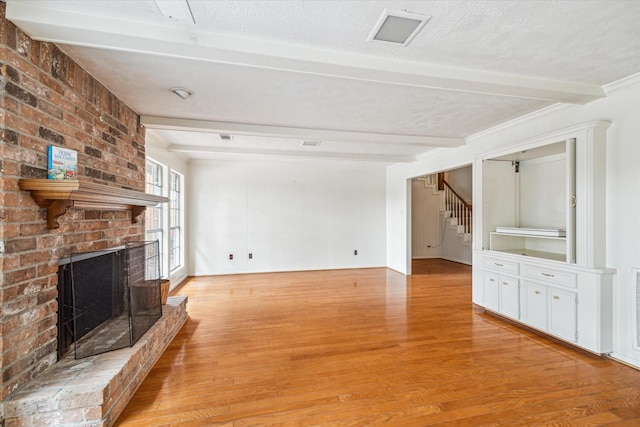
[556,297]
[537,292]
[491,280]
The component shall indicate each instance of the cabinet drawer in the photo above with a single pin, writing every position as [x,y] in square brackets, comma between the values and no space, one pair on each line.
[548,275]
[506,267]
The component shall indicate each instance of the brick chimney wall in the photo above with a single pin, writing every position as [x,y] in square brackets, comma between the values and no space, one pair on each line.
[48,99]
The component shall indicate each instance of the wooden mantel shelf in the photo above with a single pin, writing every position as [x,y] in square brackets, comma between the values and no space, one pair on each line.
[60,195]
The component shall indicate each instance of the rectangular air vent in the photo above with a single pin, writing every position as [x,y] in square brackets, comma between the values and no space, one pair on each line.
[399,27]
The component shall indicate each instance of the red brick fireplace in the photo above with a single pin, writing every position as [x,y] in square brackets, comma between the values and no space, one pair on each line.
[48,99]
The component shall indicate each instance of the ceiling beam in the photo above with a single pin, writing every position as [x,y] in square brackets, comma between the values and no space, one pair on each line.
[47,24]
[324,155]
[167,123]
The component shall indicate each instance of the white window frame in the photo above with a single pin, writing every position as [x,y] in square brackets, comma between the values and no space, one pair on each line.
[157,186]
[164,210]
[176,223]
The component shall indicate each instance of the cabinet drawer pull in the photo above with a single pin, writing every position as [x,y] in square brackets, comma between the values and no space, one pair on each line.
[491,280]
[537,292]
[498,264]
[556,297]
[505,283]
[548,275]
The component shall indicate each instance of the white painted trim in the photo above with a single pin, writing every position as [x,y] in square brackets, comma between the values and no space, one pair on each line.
[558,136]
[168,123]
[383,158]
[456,260]
[611,88]
[541,160]
[46,24]
[624,359]
[515,122]
[622,84]
[635,343]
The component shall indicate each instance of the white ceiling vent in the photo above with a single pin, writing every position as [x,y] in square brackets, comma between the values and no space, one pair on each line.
[177,10]
[226,137]
[310,143]
[400,27]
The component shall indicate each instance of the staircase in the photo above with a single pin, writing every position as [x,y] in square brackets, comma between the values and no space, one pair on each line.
[456,209]
[456,215]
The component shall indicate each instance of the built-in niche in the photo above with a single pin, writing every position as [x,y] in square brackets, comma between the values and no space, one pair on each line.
[540,259]
[528,204]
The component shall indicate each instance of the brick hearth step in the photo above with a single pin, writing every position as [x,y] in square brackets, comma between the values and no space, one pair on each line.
[93,391]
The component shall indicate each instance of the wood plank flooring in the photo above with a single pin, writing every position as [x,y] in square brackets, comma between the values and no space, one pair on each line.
[369,347]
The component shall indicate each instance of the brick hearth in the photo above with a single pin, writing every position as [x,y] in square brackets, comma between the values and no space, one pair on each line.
[93,391]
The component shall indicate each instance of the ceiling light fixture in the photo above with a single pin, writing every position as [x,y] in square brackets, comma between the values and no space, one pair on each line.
[400,27]
[182,92]
[178,10]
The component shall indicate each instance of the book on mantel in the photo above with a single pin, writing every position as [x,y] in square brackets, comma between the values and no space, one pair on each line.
[62,163]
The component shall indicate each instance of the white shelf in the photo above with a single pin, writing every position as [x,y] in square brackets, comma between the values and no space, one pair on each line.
[546,247]
[536,254]
[540,232]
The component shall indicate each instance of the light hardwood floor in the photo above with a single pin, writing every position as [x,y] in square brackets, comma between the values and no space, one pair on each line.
[370,347]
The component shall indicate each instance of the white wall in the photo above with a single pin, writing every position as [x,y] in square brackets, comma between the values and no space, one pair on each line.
[426,220]
[290,215]
[622,108]
[461,181]
[543,193]
[156,150]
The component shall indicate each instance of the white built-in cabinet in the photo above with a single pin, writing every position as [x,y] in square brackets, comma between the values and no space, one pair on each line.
[539,235]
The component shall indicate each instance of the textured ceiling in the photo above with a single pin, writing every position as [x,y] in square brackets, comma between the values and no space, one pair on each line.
[274,73]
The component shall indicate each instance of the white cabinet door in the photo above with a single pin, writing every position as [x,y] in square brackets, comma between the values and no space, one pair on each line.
[509,297]
[535,305]
[562,314]
[491,291]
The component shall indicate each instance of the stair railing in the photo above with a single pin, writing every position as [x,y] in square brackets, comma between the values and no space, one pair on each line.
[457,206]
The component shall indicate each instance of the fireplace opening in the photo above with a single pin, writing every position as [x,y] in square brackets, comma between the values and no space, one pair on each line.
[107,299]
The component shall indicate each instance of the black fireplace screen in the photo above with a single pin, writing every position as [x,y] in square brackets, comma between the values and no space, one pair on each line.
[108,299]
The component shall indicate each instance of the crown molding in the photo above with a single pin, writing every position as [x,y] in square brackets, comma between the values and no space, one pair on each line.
[622,84]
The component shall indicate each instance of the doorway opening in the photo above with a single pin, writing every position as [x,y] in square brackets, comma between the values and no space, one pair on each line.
[441,216]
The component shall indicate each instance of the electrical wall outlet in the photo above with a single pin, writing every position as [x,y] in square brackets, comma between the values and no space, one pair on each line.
[355,252]
[250,255]
[231,256]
